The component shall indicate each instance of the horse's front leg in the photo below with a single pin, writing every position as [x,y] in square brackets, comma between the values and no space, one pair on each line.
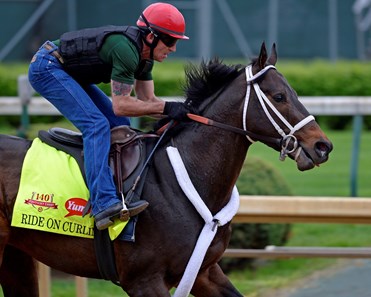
[18,274]
[214,283]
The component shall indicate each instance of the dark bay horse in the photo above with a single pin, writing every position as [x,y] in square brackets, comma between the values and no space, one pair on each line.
[243,105]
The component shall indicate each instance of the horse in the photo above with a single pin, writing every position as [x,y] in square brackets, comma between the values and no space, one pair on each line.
[236,105]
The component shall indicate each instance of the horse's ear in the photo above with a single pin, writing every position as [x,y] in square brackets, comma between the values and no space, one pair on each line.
[262,56]
[273,57]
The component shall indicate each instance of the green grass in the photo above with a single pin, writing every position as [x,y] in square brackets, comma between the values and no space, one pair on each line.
[284,272]
[274,274]
[62,287]
[330,179]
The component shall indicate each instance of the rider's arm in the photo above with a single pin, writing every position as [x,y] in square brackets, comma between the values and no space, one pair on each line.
[145,90]
[146,103]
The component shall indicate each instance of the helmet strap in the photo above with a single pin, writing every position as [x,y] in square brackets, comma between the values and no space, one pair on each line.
[152,46]
[155,39]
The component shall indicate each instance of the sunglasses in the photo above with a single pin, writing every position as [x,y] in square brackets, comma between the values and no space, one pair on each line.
[167,39]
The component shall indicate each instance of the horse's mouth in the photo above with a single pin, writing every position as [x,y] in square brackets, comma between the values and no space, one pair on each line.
[304,159]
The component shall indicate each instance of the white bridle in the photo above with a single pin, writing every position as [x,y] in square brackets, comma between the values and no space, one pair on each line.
[264,101]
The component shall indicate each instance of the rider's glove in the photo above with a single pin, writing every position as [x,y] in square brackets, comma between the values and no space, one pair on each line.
[177,110]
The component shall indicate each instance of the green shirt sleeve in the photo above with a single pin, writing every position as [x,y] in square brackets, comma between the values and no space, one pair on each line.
[123,55]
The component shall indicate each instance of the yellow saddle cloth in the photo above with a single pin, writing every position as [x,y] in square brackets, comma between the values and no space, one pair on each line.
[52,195]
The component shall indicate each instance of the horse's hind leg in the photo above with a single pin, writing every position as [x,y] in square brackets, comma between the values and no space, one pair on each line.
[18,274]
[214,283]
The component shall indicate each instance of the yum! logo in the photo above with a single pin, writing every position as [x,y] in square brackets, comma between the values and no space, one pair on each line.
[75,207]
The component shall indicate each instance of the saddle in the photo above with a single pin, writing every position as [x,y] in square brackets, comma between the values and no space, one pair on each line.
[129,149]
[128,154]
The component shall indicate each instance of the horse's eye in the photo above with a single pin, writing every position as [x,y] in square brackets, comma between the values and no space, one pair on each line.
[279,97]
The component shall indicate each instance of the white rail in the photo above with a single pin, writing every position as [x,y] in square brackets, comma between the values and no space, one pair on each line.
[351,105]
[35,106]
[304,209]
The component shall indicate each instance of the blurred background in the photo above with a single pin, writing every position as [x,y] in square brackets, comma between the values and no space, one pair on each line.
[304,29]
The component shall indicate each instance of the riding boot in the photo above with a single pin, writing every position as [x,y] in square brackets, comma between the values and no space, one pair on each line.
[105,218]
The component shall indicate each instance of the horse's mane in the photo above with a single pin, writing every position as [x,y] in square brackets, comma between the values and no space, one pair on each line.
[201,82]
[204,80]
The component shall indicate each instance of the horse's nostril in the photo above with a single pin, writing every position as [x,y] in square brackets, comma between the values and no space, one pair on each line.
[323,148]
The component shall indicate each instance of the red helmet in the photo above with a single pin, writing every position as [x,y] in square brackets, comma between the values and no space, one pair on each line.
[165,18]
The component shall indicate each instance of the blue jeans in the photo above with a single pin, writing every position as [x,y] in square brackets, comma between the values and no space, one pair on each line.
[90,110]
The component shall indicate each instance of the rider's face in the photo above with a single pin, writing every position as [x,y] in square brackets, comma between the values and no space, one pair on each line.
[163,49]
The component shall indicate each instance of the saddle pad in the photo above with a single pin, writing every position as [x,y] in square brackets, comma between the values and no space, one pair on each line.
[52,195]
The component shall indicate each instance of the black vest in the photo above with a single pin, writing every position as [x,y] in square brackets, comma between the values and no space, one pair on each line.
[80,52]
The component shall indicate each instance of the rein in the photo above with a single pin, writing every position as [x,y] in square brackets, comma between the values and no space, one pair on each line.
[209,122]
[286,139]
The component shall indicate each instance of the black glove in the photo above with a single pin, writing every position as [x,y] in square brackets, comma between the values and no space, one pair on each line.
[177,110]
[160,123]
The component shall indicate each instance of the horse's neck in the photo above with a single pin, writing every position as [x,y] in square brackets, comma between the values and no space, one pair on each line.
[213,159]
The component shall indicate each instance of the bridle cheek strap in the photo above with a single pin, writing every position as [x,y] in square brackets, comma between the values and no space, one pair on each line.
[264,102]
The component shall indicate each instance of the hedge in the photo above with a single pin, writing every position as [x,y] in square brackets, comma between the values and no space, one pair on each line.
[320,78]
[314,78]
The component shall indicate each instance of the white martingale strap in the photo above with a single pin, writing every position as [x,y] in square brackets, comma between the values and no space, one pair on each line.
[210,228]
[264,102]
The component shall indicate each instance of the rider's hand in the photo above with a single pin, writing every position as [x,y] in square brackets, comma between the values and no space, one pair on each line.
[177,110]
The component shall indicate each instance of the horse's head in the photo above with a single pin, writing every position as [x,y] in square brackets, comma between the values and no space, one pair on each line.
[278,114]
[270,112]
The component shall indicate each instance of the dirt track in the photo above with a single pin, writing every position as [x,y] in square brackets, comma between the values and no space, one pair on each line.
[348,278]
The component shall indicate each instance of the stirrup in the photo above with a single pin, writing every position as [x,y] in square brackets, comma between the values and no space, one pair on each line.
[133,209]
